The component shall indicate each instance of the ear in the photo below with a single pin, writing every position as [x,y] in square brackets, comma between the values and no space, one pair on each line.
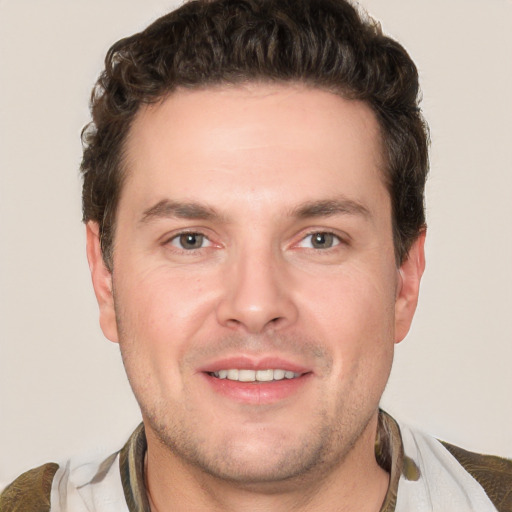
[410,273]
[102,282]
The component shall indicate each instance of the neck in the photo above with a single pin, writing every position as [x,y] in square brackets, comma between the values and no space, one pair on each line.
[356,483]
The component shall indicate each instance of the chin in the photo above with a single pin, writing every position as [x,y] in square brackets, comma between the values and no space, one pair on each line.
[255,456]
[246,466]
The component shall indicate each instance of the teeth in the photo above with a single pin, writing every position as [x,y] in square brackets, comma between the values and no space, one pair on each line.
[255,375]
[279,374]
[246,375]
[265,375]
[232,375]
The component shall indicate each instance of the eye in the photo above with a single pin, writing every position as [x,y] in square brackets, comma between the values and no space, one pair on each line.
[190,241]
[320,240]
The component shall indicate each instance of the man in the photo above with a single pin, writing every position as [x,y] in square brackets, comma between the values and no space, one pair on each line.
[253,193]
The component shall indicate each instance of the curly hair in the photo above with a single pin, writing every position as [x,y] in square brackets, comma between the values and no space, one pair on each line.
[326,44]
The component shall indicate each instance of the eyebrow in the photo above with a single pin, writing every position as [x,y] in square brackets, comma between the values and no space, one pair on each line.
[330,207]
[181,210]
[196,211]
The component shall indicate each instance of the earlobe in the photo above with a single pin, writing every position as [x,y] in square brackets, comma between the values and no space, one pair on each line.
[408,287]
[102,282]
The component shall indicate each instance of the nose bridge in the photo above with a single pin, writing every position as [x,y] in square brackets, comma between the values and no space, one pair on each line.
[256,296]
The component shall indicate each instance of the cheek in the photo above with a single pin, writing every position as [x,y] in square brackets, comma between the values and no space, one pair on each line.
[351,299]
[353,313]
[160,310]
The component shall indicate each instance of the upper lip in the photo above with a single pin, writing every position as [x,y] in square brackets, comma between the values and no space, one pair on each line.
[253,363]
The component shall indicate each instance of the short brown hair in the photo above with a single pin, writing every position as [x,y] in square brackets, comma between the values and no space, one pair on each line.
[320,43]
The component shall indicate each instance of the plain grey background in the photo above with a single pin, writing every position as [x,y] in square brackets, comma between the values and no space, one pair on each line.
[62,386]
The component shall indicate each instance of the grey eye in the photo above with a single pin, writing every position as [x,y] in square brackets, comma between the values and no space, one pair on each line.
[320,240]
[189,241]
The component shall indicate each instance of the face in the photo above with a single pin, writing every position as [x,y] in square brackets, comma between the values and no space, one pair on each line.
[255,294]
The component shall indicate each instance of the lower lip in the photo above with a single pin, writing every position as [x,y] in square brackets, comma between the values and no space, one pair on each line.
[257,392]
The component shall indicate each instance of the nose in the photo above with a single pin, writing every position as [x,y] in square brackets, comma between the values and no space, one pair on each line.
[257,294]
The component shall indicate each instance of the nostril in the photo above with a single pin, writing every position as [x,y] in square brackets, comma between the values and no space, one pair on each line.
[274,323]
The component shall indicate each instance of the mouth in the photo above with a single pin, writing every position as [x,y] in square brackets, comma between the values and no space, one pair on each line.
[245,375]
[256,381]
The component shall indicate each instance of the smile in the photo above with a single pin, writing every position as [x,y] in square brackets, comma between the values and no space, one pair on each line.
[244,375]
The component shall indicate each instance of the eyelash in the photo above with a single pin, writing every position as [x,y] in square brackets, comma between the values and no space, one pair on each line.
[335,239]
[177,239]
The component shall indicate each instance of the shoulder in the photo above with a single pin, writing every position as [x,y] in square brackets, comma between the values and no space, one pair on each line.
[493,473]
[446,477]
[30,492]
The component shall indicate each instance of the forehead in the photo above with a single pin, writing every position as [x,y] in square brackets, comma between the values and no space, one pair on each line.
[278,140]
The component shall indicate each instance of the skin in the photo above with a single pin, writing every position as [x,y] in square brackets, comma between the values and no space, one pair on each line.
[293,260]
